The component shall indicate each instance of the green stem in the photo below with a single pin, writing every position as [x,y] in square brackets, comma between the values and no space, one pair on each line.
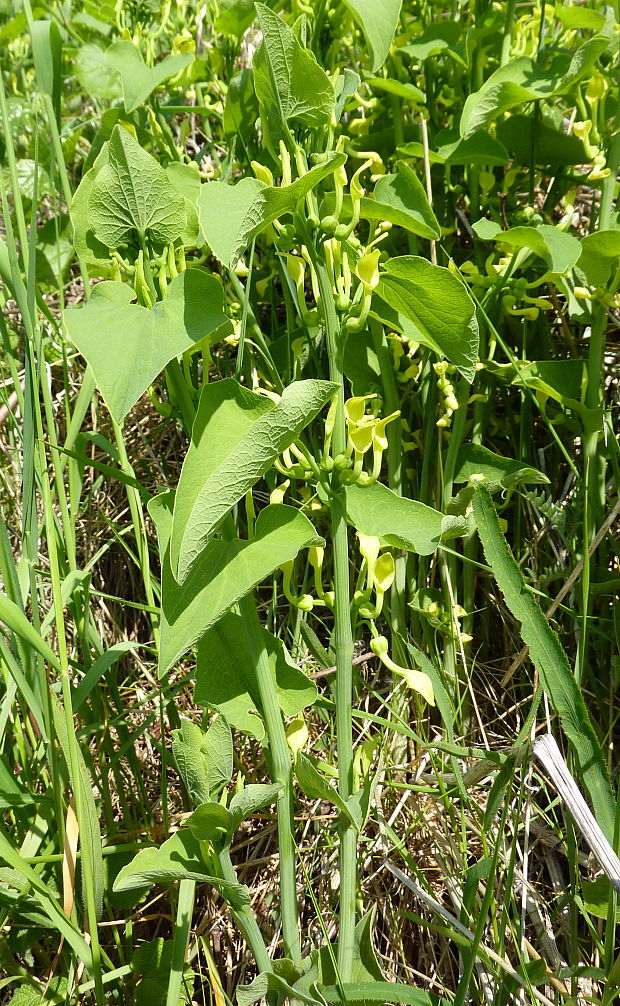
[244,917]
[507,38]
[342,636]
[185,908]
[281,772]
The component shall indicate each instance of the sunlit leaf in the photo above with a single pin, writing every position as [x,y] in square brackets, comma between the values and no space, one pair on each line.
[226,676]
[138,79]
[378,20]
[236,437]
[436,308]
[231,215]
[225,572]
[523,80]
[132,196]
[128,345]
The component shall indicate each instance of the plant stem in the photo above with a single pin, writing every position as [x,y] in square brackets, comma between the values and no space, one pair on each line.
[244,917]
[282,772]
[342,636]
[185,907]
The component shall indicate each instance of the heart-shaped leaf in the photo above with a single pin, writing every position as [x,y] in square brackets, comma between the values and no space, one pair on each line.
[98,77]
[378,20]
[479,148]
[231,215]
[559,251]
[236,437]
[127,345]
[226,676]
[431,306]
[209,822]
[474,459]
[177,859]
[225,572]
[289,83]
[204,759]
[132,196]
[600,252]
[522,80]
[140,80]
[315,785]
[526,137]
[404,193]
[252,798]
[405,523]
[438,37]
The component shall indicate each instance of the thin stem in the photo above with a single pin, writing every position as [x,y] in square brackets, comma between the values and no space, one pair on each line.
[281,772]
[507,38]
[185,908]
[244,917]
[342,636]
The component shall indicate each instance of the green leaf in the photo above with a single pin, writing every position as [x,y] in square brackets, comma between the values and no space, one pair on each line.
[378,20]
[47,56]
[361,363]
[132,196]
[14,618]
[87,245]
[597,895]
[558,250]
[232,215]
[97,670]
[226,676]
[204,759]
[177,859]
[290,85]
[436,308]
[479,148]
[236,437]
[140,80]
[152,963]
[225,572]
[600,252]
[523,80]
[405,194]
[25,874]
[561,380]
[525,137]
[210,822]
[55,250]
[474,459]
[96,74]
[549,658]
[366,967]
[439,37]
[404,523]
[317,787]
[251,798]
[90,833]
[234,17]
[128,345]
[186,180]
[345,86]
[54,991]
[579,17]
[271,982]
[241,108]
[409,92]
